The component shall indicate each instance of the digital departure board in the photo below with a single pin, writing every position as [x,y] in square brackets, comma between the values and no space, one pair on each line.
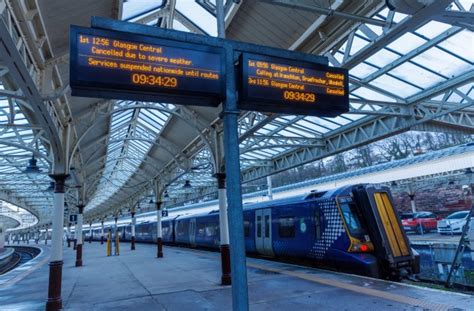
[271,84]
[120,65]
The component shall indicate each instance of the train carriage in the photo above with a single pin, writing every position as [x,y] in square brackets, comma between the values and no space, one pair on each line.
[354,229]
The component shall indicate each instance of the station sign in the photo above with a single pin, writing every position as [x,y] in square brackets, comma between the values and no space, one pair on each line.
[271,84]
[117,65]
[164,213]
[73,218]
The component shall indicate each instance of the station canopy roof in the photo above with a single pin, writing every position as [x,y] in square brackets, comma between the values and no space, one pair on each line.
[411,68]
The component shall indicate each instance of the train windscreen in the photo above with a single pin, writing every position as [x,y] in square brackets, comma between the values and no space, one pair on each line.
[349,212]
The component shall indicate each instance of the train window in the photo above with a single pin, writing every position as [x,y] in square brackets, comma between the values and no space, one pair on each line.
[259,226]
[352,221]
[286,227]
[246,228]
[317,224]
[211,229]
[201,229]
[267,226]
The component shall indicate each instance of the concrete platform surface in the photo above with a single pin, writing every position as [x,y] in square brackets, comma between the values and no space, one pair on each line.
[188,279]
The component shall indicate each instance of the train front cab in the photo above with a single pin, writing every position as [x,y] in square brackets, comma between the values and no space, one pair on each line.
[391,245]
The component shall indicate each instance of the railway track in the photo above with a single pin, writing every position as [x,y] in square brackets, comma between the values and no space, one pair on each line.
[21,255]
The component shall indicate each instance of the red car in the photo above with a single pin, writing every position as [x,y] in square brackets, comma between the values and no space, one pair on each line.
[420,222]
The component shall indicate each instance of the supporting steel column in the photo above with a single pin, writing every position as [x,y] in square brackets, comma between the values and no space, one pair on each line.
[102,231]
[79,236]
[159,242]
[269,188]
[56,260]
[134,221]
[46,235]
[240,300]
[224,230]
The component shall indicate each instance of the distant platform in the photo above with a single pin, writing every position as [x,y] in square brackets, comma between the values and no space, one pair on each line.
[188,279]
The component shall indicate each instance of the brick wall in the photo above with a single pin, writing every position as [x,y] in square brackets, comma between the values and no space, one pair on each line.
[440,199]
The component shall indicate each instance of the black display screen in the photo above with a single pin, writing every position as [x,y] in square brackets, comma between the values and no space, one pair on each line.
[127,66]
[271,84]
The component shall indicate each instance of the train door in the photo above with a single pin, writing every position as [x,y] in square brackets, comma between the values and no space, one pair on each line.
[192,231]
[263,231]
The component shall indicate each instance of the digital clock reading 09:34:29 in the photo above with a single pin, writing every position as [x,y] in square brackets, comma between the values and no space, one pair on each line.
[154,80]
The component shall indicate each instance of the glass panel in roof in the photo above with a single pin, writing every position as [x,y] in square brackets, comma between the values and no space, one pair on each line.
[450,66]
[178,26]
[362,70]
[419,76]
[432,29]
[382,58]
[314,124]
[461,44]
[369,94]
[406,43]
[395,86]
[340,120]
[132,8]
[198,15]
[358,44]
[466,4]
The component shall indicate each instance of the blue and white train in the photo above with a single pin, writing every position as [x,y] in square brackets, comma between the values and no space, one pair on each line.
[353,229]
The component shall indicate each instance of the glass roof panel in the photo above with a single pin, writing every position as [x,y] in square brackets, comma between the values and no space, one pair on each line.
[363,70]
[395,86]
[410,72]
[132,8]
[198,15]
[461,44]
[432,29]
[367,93]
[450,66]
[382,58]
[406,43]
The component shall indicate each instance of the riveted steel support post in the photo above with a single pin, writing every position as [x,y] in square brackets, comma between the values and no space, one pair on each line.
[224,230]
[132,239]
[56,260]
[79,236]
[159,242]
[232,168]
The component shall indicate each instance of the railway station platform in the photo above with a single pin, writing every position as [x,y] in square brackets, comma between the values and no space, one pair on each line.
[188,279]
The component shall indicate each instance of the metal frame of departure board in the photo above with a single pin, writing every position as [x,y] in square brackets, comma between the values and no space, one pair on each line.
[270,98]
[230,114]
[103,82]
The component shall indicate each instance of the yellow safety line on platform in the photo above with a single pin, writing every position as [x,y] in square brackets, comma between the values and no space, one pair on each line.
[358,289]
[23,275]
